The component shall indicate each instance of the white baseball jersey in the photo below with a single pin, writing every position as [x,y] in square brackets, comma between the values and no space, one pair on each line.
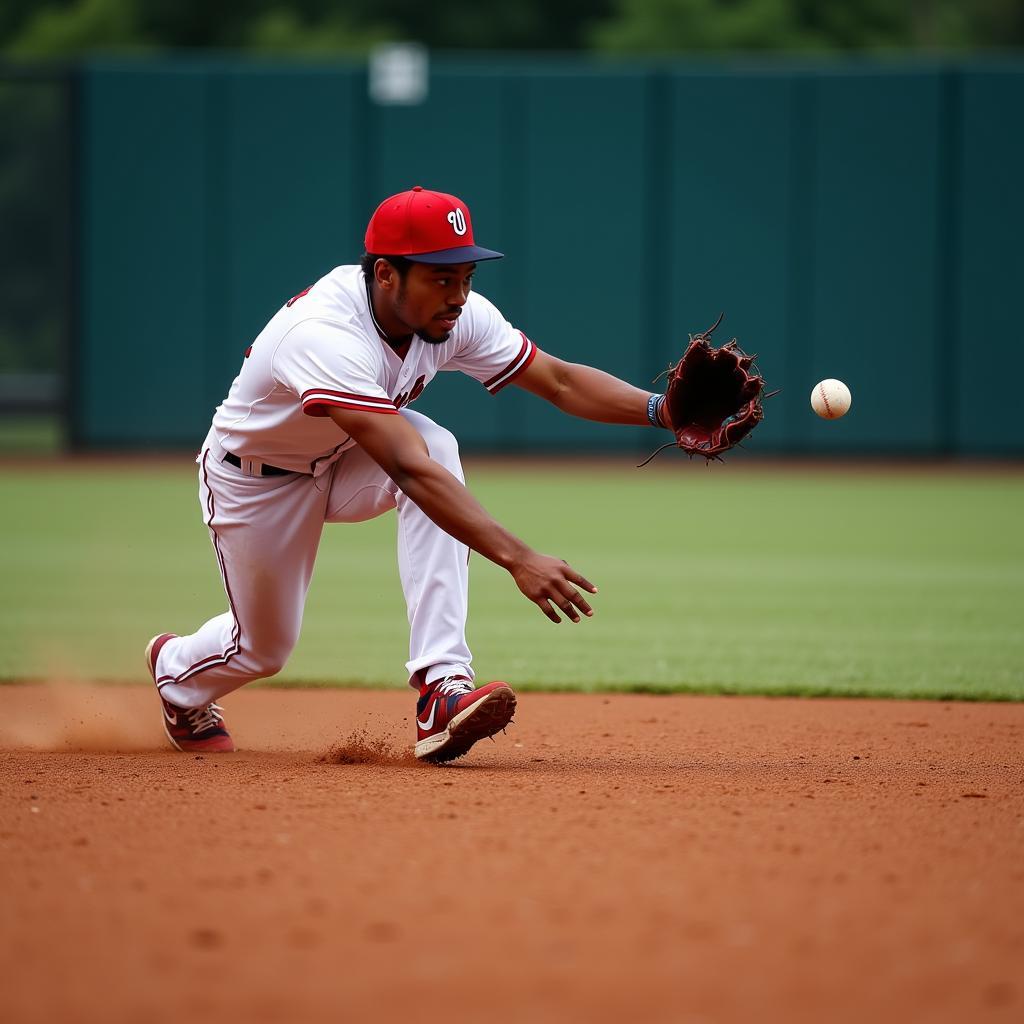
[324,348]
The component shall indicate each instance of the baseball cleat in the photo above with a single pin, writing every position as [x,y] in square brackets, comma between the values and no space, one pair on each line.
[451,716]
[198,730]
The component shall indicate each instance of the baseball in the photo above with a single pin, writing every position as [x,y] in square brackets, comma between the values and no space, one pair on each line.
[831,399]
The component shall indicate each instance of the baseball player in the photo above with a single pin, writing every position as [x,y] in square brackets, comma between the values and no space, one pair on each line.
[317,428]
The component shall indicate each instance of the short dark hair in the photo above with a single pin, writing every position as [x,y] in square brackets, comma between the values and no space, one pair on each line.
[369,260]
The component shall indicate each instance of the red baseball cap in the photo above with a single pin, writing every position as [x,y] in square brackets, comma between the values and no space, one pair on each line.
[425,227]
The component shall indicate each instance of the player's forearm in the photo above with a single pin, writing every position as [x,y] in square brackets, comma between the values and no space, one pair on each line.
[592,394]
[449,503]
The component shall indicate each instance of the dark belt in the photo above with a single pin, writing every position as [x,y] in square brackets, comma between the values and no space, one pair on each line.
[233,460]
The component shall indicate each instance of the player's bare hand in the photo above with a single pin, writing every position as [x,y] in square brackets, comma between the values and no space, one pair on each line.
[553,585]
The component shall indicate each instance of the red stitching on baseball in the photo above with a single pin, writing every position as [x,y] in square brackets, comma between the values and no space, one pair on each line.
[824,398]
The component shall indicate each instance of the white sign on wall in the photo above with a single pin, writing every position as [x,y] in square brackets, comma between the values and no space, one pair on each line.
[399,74]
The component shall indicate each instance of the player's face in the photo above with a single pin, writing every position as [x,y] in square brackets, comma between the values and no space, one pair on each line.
[430,299]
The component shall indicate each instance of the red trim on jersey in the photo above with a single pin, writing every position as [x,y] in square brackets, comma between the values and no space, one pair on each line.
[527,353]
[346,394]
[318,407]
[315,400]
[295,298]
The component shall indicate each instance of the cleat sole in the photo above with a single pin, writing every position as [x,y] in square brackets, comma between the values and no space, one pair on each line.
[479,722]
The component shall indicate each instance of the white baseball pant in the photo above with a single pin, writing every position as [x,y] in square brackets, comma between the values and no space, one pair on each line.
[266,531]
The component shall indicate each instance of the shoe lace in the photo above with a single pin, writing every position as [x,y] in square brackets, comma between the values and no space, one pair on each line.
[452,685]
[202,719]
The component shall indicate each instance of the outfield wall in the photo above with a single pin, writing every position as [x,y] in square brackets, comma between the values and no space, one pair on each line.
[860,221]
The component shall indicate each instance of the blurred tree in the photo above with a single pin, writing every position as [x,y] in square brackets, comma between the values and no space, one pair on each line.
[865,25]
[58,31]
[470,24]
[63,27]
[997,22]
[670,25]
[66,27]
[283,31]
[288,26]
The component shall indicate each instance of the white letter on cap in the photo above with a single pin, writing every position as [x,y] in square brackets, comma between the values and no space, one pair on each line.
[457,221]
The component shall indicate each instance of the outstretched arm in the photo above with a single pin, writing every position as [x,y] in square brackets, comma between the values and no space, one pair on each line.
[585,391]
[400,451]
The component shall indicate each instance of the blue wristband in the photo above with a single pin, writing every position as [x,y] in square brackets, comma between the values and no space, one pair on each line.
[653,408]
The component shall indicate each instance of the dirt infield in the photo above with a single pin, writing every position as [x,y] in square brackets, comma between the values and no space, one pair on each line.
[677,859]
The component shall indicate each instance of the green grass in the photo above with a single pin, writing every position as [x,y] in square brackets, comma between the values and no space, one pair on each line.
[730,579]
[30,434]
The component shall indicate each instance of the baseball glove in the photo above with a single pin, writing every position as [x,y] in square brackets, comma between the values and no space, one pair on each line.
[713,398]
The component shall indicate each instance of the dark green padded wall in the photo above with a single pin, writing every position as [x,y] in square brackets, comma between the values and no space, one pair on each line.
[729,211]
[872,315]
[584,220]
[989,268]
[145,276]
[853,221]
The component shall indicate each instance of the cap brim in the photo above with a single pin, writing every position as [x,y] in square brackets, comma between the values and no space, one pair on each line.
[462,254]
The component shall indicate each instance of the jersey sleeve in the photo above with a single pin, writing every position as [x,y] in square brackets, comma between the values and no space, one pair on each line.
[325,364]
[490,349]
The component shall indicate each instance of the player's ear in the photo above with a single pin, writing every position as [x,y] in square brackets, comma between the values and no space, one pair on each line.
[384,273]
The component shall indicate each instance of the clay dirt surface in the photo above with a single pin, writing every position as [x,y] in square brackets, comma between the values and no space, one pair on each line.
[612,858]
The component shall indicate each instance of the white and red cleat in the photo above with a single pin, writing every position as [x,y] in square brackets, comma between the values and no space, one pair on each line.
[451,716]
[199,730]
